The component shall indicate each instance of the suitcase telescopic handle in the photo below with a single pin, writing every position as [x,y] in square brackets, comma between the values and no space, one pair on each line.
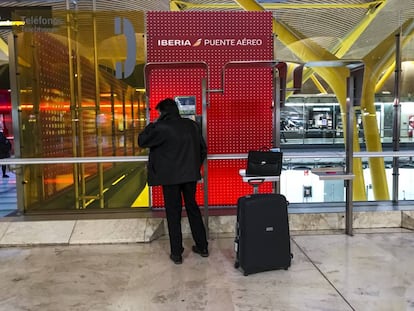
[255,183]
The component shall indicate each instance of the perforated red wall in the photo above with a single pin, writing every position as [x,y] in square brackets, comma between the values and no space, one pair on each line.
[240,117]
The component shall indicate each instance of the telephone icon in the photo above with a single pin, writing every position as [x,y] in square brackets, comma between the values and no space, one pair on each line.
[126,68]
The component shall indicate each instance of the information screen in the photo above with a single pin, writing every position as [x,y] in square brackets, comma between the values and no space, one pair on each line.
[186,105]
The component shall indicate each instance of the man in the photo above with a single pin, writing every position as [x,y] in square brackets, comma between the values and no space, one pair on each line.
[177,151]
[5,147]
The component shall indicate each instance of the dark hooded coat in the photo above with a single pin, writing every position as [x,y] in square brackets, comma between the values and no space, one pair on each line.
[177,149]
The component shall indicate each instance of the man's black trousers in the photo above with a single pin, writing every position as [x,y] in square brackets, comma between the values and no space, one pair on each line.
[173,197]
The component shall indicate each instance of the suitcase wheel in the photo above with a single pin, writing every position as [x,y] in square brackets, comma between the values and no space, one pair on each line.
[245,273]
[236,264]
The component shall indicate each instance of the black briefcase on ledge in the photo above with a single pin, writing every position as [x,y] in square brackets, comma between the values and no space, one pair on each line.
[264,163]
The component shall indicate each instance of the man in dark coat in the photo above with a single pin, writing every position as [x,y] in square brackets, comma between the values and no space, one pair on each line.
[177,151]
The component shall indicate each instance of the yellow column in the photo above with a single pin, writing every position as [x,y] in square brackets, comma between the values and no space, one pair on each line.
[334,76]
[372,138]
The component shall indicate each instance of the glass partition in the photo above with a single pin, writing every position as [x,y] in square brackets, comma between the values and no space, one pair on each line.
[300,185]
[316,119]
[124,187]
[76,100]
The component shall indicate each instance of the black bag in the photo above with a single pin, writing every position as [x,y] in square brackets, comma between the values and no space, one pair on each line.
[262,240]
[264,163]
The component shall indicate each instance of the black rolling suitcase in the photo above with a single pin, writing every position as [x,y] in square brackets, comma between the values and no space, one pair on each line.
[262,240]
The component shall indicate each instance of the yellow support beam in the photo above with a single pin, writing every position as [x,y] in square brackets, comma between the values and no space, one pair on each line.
[270,6]
[388,72]
[385,52]
[335,77]
[185,5]
[175,6]
[373,139]
[383,56]
[319,85]
[307,50]
[339,51]
[380,187]
[381,59]
[347,42]
[4,52]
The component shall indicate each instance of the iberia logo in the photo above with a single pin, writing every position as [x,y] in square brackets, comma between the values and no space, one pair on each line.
[198,42]
[226,42]
[178,42]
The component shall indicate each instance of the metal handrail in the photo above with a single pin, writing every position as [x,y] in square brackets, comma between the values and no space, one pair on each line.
[229,156]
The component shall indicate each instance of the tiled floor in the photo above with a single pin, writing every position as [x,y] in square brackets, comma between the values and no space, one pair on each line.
[373,270]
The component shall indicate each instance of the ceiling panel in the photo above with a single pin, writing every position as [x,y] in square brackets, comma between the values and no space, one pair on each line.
[325,22]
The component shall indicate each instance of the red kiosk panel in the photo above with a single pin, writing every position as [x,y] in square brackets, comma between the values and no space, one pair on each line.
[239,115]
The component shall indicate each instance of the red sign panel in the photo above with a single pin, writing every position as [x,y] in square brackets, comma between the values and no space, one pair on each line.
[239,115]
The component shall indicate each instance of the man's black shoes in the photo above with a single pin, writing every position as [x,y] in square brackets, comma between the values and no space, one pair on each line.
[177,259]
[201,252]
